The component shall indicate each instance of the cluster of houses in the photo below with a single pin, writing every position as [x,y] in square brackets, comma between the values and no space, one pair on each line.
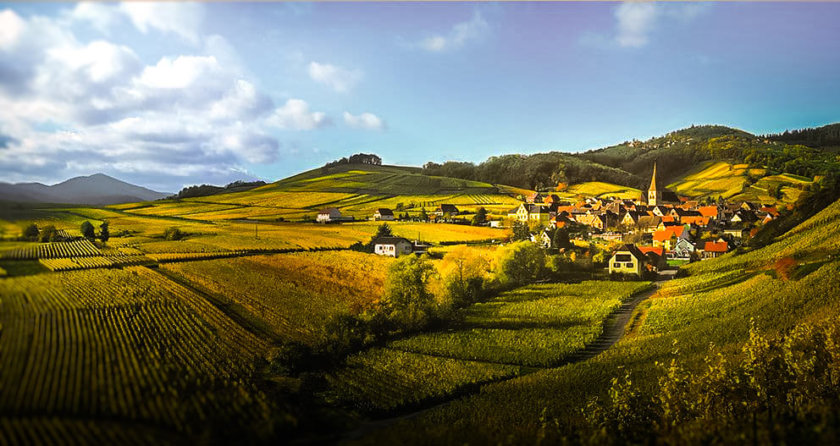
[675,229]
[661,226]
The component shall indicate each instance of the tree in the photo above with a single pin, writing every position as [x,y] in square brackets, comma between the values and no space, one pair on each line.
[31,232]
[561,239]
[104,234]
[423,215]
[520,231]
[520,263]
[383,231]
[407,301]
[464,270]
[87,231]
[480,217]
[48,234]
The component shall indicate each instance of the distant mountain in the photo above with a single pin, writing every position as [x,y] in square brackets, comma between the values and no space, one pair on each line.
[97,189]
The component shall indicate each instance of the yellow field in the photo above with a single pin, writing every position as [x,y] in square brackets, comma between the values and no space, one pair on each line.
[598,189]
[293,294]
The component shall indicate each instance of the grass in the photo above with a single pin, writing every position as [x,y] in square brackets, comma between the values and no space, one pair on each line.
[601,189]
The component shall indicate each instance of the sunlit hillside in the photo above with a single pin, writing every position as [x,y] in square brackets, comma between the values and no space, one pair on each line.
[739,182]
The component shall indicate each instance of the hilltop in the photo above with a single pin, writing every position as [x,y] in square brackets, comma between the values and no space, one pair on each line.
[97,189]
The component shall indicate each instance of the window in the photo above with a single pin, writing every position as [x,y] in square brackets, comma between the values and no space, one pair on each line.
[622,257]
[616,265]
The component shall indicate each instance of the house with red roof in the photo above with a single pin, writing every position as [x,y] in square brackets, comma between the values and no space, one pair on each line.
[715,249]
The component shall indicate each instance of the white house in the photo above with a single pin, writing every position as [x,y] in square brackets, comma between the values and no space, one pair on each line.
[628,260]
[392,246]
[383,214]
[328,214]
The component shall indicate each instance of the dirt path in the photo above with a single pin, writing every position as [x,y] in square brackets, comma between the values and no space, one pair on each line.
[613,332]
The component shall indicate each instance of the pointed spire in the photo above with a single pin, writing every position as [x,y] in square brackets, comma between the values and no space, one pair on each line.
[653,179]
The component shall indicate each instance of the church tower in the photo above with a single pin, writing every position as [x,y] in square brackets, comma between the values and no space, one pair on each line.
[654,196]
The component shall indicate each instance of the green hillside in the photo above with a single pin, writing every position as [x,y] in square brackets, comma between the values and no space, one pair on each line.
[691,341]
[739,182]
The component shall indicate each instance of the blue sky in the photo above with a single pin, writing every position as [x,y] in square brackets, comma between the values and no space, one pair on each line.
[172,94]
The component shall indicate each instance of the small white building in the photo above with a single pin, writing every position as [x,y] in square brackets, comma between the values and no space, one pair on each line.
[392,246]
[383,214]
[328,214]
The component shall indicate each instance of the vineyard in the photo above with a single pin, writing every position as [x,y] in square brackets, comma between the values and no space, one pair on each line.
[536,325]
[77,248]
[122,344]
[292,293]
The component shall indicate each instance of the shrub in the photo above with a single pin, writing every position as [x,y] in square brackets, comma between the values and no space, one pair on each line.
[520,263]
[31,232]
[173,233]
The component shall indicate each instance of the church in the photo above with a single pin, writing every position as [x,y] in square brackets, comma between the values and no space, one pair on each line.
[654,197]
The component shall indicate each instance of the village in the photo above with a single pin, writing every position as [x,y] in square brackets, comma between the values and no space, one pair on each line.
[653,233]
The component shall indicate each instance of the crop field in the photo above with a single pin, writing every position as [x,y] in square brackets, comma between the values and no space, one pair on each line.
[382,379]
[292,293]
[121,344]
[599,189]
[537,325]
[78,248]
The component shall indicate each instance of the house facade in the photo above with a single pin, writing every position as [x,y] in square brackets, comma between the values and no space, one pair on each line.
[383,214]
[328,215]
[392,246]
[627,260]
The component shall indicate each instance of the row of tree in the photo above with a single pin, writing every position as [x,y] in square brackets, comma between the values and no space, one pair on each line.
[49,233]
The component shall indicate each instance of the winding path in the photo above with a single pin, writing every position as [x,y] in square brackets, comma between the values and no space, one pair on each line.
[613,332]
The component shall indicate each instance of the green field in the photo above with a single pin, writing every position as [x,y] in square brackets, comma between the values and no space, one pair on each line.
[533,326]
[731,181]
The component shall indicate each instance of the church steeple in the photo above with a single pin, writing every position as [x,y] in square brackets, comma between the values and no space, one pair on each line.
[654,197]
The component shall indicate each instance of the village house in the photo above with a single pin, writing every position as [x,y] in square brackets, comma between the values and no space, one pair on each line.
[543,239]
[383,214]
[627,260]
[328,215]
[655,258]
[446,210]
[392,246]
[715,249]
[683,249]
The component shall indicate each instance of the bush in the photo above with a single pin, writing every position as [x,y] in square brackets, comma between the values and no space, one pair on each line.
[48,234]
[173,233]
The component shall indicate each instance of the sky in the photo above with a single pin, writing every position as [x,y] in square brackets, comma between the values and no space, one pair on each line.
[172,94]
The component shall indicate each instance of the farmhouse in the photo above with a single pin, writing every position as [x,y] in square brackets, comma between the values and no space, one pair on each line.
[446,209]
[628,260]
[392,246]
[328,215]
[383,214]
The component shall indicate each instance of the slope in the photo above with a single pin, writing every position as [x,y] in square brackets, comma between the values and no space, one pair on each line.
[691,319]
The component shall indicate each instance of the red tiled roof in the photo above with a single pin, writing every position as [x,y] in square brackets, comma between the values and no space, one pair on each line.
[716,247]
[661,236]
[708,211]
[660,251]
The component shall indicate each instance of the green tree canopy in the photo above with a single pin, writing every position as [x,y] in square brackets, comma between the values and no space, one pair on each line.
[520,231]
[104,234]
[407,300]
[520,263]
[31,232]
[87,230]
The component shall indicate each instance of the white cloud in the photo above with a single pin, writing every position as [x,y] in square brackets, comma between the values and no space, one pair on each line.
[183,19]
[367,121]
[337,78]
[70,108]
[636,21]
[295,115]
[101,16]
[11,27]
[458,36]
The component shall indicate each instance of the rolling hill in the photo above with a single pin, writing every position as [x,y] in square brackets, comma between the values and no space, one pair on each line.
[96,189]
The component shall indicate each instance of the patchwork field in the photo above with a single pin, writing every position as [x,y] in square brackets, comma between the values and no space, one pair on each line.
[731,181]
